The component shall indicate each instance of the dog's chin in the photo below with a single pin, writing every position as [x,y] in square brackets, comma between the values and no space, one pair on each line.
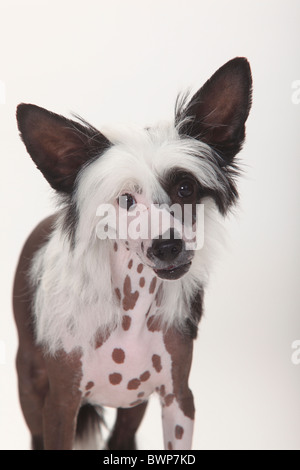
[173,273]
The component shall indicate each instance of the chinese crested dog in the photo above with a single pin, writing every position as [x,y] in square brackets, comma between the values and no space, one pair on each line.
[108,291]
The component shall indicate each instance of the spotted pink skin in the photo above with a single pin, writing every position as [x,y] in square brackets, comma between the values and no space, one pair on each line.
[125,368]
[120,370]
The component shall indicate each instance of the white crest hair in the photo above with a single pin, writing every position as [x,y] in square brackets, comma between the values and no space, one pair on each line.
[74,293]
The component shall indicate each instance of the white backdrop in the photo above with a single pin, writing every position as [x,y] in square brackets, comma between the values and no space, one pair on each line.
[116,60]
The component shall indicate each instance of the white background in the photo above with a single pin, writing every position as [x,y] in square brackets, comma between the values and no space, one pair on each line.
[126,60]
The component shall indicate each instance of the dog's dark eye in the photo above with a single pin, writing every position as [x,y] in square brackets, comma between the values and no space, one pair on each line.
[126,201]
[185,189]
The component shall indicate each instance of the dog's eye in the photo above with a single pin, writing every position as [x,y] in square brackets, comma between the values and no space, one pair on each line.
[185,189]
[126,201]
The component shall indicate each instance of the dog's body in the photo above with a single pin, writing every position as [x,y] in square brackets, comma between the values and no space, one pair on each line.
[107,322]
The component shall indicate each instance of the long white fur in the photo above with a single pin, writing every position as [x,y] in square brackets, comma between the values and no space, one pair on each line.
[74,294]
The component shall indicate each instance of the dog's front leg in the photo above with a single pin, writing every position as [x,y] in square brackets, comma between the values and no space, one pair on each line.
[177,426]
[63,400]
[126,426]
[178,407]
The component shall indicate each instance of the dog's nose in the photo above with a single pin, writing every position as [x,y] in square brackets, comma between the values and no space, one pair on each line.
[165,249]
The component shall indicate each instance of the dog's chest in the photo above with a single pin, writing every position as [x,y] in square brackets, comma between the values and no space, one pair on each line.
[124,368]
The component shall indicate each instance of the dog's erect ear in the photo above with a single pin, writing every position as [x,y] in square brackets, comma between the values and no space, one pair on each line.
[217,113]
[58,146]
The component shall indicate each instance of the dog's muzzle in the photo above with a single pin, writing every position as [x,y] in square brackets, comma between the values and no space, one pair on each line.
[171,260]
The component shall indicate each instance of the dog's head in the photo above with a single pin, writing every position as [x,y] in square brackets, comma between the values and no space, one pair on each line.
[154,179]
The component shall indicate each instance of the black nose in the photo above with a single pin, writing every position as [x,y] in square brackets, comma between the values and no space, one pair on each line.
[165,250]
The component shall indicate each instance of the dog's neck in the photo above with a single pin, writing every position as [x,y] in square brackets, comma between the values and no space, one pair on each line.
[136,287]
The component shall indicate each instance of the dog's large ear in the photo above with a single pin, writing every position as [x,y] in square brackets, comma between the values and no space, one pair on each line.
[58,146]
[217,113]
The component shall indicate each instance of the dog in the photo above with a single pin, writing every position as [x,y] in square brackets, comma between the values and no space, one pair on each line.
[106,320]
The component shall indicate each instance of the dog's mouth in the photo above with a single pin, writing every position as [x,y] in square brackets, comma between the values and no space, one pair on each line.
[173,272]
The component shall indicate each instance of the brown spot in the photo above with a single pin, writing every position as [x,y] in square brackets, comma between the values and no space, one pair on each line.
[118,294]
[152,285]
[87,394]
[196,311]
[170,447]
[126,322]
[179,432]
[169,399]
[115,378]
[133,384]
[89,385]
[99,341]
[130,298]
[118,356]
[142,282]
[130,264]
[141,394]
[156,362]
[115,246]
[159,295]
[148,311]
[162,390]
[100,338]
[144,376]
[136,402]
[140,268]
[153,324]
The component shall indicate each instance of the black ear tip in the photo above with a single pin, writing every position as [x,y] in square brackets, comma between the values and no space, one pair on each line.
[22,111]
[20,114]
[240,64]
[27,113]
[23,107]
[240,61]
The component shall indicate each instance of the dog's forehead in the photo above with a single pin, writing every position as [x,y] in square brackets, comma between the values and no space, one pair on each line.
[142,158]
[151,154]
[134,136]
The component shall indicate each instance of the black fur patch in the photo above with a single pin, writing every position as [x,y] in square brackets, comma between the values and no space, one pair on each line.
[196,312]
[71,218]
[224,197]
